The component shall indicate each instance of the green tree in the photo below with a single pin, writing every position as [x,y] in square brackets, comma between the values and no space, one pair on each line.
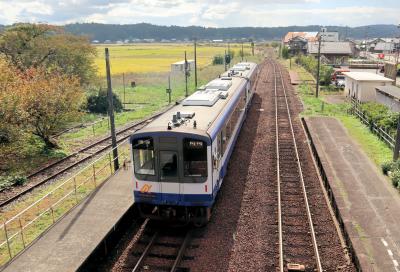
[49,102]
[39,45]
[285,52]
[98,102]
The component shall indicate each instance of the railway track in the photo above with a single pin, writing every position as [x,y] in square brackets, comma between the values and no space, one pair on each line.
[160,249]
[298,249]
[70,163]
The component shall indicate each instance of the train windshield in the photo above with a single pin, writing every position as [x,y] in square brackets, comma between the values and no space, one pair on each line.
[143,156]
[168,164]
[194,158]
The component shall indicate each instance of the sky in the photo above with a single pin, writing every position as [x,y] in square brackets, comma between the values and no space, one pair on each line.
[211,13]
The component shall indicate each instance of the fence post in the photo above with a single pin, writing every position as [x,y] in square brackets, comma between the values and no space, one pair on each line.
[75,189]
[109,157]
[8,242]
[22,231]
[397,144]
[52,213]
[94,176]
[93,130]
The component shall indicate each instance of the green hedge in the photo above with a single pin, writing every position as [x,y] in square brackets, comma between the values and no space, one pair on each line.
[381,116]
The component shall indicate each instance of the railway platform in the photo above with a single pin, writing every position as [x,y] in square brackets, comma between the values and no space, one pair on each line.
[368,204]
[69,243]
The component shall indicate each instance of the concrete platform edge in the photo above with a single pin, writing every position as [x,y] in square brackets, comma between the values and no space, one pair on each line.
[331,196]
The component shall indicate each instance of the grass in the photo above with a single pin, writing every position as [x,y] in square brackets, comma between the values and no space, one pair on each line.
[150,58]
[375,149]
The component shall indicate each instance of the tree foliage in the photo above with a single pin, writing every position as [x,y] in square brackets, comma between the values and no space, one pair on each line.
[98,103]
[311,65]
[44,46]
[285,52]
[37,102]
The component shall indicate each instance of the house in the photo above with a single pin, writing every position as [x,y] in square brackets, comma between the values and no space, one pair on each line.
[388,96]
[384,47]
[309,36]
[334,52]
[179,66]
[297,45]
[361,85]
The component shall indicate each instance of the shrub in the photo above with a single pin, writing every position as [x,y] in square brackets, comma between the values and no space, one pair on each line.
[386,167]
[218,59]
[396,178]
[285,52]
[12,180]
[98,103]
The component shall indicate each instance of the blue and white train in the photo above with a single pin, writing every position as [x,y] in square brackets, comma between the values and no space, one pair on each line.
[181,157]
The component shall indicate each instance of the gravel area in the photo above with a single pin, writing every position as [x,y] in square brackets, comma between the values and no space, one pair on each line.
[243,232]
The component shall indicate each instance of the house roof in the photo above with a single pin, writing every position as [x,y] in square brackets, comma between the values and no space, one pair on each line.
[310,36]
[390,90]
[365,76]
[384,46]
[339,48]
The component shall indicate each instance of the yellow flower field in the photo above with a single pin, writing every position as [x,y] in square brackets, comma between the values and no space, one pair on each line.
[156,57]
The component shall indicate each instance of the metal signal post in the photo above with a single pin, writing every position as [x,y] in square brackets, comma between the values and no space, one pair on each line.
[169,89]
[111,111]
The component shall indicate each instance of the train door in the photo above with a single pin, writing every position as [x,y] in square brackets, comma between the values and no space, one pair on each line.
[216,163]
[168,161]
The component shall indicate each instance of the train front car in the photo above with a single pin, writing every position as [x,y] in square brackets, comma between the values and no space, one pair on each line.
[180,158]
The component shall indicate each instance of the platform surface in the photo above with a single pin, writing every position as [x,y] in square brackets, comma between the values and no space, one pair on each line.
[369,205]
[70,241]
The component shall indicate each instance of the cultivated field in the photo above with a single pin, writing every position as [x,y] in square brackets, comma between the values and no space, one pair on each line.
[151,58]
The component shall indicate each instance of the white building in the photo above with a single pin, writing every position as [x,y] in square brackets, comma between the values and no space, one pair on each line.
[329,36]
[389,96]
[361,85]
[180,66]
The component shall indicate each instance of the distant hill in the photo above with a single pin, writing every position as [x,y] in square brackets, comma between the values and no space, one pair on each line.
[102,32]
[112,32]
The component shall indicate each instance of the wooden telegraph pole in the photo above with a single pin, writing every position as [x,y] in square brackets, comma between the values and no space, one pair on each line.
[225,56]
[242,52]
[111,111]
[123,82]
[195,63]
[229,53]
[186,76]
[319,65]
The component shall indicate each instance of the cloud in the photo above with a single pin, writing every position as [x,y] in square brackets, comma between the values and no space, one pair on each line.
[221,13]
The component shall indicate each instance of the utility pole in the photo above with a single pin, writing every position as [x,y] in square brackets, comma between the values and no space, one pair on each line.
[225,56]
[195,63]
[186,76]
[123,82]
[252,47]
[229,53]
[397,57]
[319,64]
[111,112]
[169,89]
[242,52]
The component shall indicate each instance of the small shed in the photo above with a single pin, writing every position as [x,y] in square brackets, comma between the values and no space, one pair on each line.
[180,66]
[361,85]
[389,96]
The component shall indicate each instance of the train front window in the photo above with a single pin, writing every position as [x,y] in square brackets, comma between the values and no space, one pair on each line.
[168,164]
[143,156]
[194,158]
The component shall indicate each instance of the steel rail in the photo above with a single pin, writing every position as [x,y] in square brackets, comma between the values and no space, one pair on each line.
[310,221]
[181,251]
[145,252]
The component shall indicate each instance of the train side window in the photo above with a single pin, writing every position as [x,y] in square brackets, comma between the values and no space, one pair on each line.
[194,158]
[143,156]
